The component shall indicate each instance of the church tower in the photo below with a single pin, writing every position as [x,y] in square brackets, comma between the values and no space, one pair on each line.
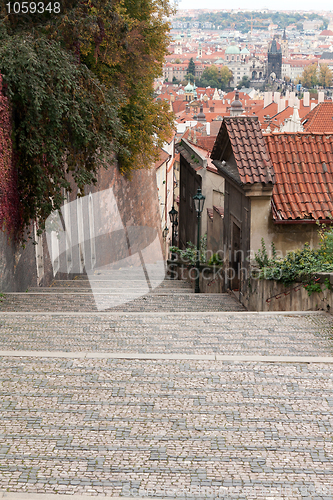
[274,61]
[284,45]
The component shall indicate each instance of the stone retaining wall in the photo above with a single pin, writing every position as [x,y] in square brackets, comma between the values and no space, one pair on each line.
[269,295]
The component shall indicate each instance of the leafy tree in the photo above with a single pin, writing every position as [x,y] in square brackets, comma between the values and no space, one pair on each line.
[188,78]
[245,82]
[242,20]
[225,76]
[209,77]
[65,122]
[191,67]
[211,73]
[213,77]
[81,87]
[309,77]
[325,76]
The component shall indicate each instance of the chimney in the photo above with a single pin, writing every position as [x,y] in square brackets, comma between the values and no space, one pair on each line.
[268,98]
[306,99]
[287,94]
[277,96]
[281,105]
[321,97]
[292,99]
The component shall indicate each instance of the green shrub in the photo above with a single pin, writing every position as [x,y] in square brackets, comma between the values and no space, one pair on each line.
[190,253]
[215,260]
[301,264]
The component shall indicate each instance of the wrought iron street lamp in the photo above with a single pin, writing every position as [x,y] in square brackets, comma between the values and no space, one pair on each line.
[173,215]
[199,200]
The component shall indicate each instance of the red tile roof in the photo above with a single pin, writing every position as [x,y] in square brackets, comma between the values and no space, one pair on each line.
[219,210]
[326,33]
[303,165]
[268,111]
[215,127]
[163,158]
[249,149]
[231,96]
[210,213]
[206,142]
[320,119]
[178,106]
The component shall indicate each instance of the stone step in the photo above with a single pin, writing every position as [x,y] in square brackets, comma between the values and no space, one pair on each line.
[107,289]
[39,302]
[117,285]
[229,333]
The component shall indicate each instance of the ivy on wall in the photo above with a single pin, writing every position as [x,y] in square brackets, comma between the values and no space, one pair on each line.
[65,123]
[9,200]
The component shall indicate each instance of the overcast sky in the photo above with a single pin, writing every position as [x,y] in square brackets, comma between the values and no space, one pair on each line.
[256,4]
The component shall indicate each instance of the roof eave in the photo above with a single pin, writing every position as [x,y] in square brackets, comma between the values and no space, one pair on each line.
[303,221]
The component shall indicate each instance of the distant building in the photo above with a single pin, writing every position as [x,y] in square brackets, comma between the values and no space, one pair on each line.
[274,61]
[284,45]
[238,62]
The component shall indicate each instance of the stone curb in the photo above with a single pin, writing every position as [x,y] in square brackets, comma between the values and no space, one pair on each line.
[168,357]
[55,496]
[176,313]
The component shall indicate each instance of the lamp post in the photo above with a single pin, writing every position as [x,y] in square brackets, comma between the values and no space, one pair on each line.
[199,200]
[173,215]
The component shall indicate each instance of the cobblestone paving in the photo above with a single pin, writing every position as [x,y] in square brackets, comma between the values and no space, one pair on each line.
[230,430]
[153,302]
[166,428]
[76,295]
[207,333]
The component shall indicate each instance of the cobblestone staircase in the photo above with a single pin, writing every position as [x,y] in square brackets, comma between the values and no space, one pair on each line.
[117,292]
[171,395]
